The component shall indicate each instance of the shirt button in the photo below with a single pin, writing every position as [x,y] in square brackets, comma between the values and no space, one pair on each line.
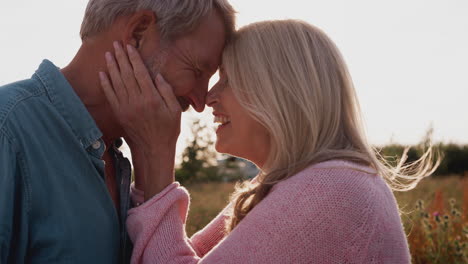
[96,145]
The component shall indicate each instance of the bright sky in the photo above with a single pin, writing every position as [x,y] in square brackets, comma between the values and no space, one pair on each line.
[408,58]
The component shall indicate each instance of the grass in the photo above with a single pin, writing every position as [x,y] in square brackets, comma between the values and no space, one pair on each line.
[207,200]
[434,214]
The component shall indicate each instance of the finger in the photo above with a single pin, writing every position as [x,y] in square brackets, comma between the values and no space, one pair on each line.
[126,71]
[114,72]
[108,91]
[167,94]
[141,73]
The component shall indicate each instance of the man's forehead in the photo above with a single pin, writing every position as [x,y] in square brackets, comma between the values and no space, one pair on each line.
[205,54]
[208,40]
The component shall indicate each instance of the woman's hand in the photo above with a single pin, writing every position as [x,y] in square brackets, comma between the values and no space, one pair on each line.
[149,114]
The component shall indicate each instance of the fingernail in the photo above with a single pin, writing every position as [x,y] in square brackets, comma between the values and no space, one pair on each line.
[116,45]
[102,75]
[129,48]
[159,78]
[108,56]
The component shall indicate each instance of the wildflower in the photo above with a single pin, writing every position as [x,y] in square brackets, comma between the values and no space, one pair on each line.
[426,222]
[420,204]
[452,201]
[446,221]
[457,246]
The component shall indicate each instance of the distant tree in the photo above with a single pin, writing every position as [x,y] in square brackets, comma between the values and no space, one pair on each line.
[454,157]
[198,158]
[232,168]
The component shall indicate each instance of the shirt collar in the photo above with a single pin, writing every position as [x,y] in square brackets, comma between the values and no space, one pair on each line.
[67,102]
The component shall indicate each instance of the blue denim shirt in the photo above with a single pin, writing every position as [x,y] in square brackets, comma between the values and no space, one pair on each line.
[54,203]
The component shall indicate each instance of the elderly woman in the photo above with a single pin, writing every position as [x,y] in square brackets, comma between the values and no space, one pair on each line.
[286,102]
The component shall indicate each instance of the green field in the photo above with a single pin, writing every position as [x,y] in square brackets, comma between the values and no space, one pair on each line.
[434,215]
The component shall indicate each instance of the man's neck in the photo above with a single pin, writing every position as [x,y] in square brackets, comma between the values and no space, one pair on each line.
[82,74]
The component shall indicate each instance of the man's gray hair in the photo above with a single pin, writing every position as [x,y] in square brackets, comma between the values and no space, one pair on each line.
[174,17]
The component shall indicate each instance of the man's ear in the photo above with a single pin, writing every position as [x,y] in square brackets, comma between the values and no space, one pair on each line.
[139,25]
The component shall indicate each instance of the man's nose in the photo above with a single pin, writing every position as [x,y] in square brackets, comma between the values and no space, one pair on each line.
[198,105]
[198,99]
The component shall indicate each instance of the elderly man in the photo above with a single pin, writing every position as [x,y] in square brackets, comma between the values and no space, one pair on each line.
[63,182]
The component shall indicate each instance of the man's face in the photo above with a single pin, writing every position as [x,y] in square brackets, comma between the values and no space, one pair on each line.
[188,62]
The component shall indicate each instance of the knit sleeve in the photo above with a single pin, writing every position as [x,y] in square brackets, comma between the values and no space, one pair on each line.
[205,239]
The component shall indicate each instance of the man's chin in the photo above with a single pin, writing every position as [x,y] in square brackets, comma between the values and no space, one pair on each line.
[184,103]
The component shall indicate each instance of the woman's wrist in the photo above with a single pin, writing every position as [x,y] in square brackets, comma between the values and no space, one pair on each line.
[151,150]
[153,167]
[144,156]
[159,172]
[138,173]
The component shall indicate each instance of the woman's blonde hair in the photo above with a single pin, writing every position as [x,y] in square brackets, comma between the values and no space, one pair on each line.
[292,79]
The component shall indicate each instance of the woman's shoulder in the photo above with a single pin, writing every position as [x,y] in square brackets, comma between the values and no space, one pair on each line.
[338,183]
[342,205]
[333,174]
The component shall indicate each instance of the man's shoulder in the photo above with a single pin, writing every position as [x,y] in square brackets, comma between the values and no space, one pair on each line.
[20,90]
[20,102]
[13,94]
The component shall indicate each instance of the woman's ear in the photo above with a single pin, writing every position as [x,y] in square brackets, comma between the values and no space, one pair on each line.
[140,24]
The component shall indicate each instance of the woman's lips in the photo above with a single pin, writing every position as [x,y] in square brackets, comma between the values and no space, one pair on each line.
[220,127]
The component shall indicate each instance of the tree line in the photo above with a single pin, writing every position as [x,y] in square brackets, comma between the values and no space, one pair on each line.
[454,157]
[201,163]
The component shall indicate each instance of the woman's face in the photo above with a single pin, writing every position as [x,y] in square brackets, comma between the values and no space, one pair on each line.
[238,133]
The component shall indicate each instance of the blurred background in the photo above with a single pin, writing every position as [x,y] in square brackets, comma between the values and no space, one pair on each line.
[409,63]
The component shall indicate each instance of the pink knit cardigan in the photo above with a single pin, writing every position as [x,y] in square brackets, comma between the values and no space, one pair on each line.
[331,212]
